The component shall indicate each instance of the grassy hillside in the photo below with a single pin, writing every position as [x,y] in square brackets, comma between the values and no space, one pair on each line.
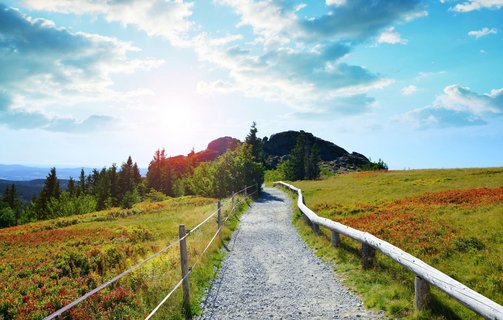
[46,265]
[452,219]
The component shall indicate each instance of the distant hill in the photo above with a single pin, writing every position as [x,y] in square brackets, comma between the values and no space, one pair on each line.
[217,147]
[278,146]
[28,189]
[26,173]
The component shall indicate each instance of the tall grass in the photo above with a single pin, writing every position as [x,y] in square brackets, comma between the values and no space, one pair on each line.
[451,219]
[45,265]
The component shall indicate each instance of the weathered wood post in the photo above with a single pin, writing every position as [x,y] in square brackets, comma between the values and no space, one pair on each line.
[184,262]
[232,202]
[219,220]
[422,292]
[368,256]
[336,239]
[246,191]
[316,228]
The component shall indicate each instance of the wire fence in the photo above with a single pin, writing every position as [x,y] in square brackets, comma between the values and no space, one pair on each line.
[189,232]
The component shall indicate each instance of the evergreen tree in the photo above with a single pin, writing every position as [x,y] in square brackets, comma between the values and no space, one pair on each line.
[51,190]
[114,185]
[295,166]
[71,187]
[257,146]
[136,174]
[313,164]
[81,187]
[12,199]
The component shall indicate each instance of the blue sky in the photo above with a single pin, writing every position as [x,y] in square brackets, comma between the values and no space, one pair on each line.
[87,82]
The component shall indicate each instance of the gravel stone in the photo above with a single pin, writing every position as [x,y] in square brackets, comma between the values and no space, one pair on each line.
[271,273]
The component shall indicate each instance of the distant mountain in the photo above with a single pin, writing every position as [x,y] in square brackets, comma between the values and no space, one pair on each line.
[28,189]
[26,173]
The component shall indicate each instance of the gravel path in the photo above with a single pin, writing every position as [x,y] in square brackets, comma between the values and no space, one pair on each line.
[270,272]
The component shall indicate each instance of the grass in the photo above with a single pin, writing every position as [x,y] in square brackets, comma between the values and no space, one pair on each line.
[46,265]
[450,219]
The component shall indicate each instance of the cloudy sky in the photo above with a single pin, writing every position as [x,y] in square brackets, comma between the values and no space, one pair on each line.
[89,82]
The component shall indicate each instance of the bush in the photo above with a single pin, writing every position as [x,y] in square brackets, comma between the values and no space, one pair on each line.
[7,217]
[129,199]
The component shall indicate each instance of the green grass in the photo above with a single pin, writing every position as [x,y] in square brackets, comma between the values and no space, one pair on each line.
[45,265]
[451,219]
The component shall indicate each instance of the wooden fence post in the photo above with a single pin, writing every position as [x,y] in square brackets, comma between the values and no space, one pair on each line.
[368,256]
[422,292]
[246,191]
[184,262]
[232,202]
[219,220]
[336,239]
[316,228]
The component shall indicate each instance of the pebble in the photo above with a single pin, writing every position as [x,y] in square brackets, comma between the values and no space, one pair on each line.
[271,273]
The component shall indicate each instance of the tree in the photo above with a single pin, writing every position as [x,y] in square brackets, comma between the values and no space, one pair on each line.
[7,217]
[256,144]
[313,164]
[50,190]
[12,200]
[81,186]
[296,160]
[71,187]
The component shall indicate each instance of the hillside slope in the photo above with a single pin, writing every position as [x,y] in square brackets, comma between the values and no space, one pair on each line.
[451,219]
[46,265]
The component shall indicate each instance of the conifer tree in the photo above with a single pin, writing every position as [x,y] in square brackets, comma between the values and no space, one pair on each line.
[81,187]
[313,163]
[51,190]
[257,146]
[71,187]
[12,199]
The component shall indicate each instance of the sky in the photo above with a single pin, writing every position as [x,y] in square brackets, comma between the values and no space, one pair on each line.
[88,82]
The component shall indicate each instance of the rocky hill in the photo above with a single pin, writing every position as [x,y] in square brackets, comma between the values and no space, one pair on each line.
[278,146]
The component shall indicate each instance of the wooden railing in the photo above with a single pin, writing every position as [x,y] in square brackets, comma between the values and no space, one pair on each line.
[425,274]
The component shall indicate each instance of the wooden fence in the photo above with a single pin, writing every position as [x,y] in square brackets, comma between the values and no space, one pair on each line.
[425,274]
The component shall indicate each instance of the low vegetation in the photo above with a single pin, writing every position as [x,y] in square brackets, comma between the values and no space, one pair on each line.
[46,265]
[451,219]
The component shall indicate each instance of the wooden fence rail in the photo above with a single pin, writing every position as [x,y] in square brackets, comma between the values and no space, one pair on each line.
[425,274]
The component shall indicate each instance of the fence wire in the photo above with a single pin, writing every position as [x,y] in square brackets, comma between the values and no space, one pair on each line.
[136,266]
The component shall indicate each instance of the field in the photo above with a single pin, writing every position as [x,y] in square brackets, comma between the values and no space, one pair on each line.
[451,219]
[46,265]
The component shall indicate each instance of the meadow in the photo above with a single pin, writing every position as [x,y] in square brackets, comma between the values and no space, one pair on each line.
[451,219]
[46,265]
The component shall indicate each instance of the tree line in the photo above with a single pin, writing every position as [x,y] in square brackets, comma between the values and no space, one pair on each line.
[101,189]
[124,186]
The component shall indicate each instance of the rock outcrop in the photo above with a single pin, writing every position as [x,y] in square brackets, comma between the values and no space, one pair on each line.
[335,158]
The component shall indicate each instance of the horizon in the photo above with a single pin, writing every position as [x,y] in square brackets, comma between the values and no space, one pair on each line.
[414,83]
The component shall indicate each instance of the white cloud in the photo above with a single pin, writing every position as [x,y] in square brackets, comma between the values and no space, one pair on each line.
[49,66]
[163,18]
[472,5]
[300,7]
[390,36]
[408,90]
[457,106]
[460,98]
[483,32]
[335,2]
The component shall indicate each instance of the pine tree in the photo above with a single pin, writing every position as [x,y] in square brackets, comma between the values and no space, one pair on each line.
[313,164]
[295,166]
[136,174]
[51,190]
[114,185]
[12,199]
[257,146]
[71,187]
[81,187]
